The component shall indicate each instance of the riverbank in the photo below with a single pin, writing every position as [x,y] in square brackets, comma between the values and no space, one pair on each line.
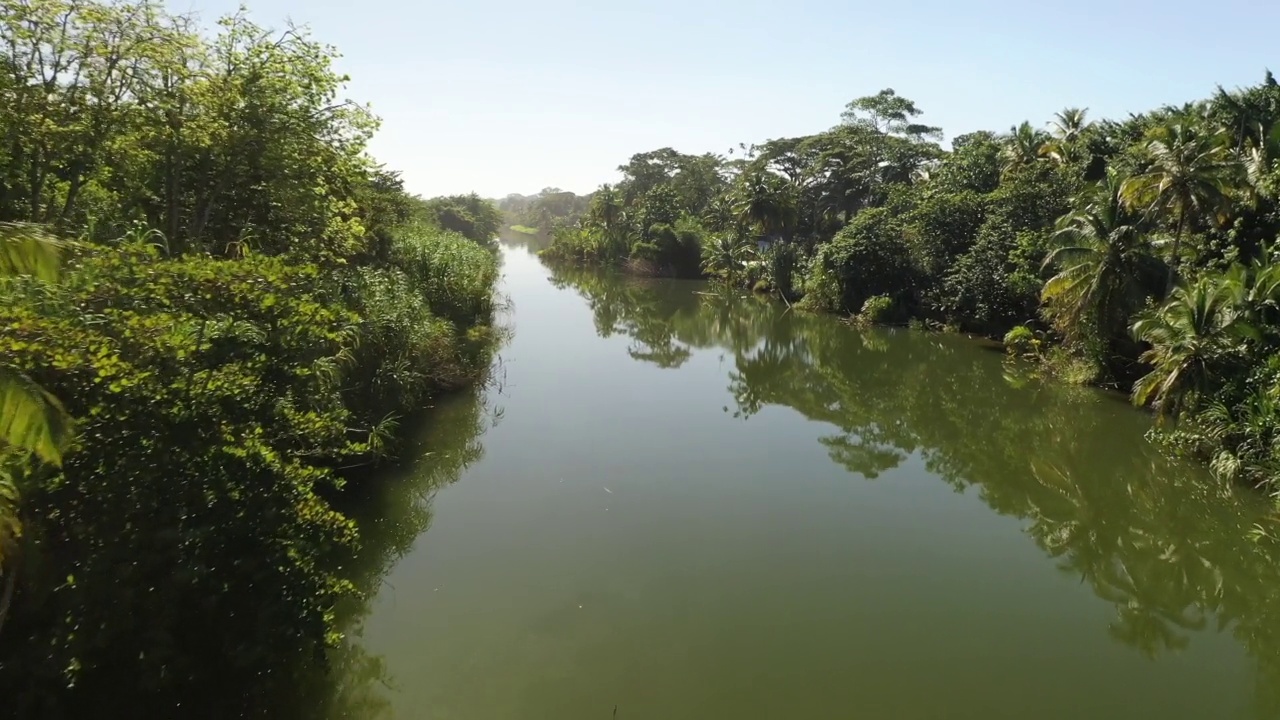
[898,498]
[215,311]
[221,406]
[1136,254]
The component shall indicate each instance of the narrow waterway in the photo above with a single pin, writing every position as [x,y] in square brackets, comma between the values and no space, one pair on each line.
[675,504]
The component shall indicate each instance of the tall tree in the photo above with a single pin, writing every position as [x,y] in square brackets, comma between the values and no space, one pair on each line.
[1023,146]
[1101,260]
[766,202]
[888,113]
[1188,179]
[1196,328]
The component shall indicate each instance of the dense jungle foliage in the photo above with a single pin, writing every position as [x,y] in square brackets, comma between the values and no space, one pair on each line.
[545,213]
[1135,253]
[215,308]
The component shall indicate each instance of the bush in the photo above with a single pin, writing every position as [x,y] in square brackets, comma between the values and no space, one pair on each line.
[571,243]
[942,228]
[209,414]
[454,275]
[405,352]
[996,283]
[1021,340]
[877,310]
[685,256]
[866,258]
[649,252]
[821,285]
[471,216]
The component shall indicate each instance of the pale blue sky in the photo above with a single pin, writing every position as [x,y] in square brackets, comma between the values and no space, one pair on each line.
[507,96]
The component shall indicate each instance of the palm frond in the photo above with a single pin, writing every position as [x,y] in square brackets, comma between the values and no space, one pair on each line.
[31,419]
[27,249]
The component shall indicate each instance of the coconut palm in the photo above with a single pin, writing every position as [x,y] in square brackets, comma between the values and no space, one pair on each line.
[1065,129]
[767,203]
[1188,181]
[724,255]
[1023,146]
[1195,328]
[719,214]
[1102,259]
[1068,123]
[606,213]
[1259,156]
[1245,115]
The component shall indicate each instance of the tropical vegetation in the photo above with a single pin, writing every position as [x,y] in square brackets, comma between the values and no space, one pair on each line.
[216,310]
[1136,253]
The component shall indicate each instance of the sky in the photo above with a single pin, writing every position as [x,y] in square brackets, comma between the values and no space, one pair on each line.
[507,96]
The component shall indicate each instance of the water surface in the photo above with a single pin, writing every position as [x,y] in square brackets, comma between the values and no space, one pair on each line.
[685,505]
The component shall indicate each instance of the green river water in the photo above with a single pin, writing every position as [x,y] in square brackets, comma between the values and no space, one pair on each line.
[675,504]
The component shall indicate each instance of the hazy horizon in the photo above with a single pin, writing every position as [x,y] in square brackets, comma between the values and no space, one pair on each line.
[512,98]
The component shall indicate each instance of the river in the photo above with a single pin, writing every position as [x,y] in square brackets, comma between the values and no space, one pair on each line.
[672,503]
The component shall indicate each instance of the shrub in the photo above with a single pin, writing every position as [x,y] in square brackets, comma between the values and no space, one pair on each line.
[208,417]
[996,283]
[455,275]
[821,285]
[1021,340]
[647,251]
[877,310]
[865,259]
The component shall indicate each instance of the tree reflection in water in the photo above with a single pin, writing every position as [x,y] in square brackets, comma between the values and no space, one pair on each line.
[1165,544]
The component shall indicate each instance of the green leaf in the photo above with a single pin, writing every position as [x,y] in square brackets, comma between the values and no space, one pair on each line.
[31,419]
[27,249]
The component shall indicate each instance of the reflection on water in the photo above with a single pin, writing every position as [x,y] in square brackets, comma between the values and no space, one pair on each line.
[393,510]
[1167,546]
[658,525]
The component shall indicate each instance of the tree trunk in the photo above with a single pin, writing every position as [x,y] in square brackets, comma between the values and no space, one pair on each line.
[6,596]
[73,193]
[1175,255]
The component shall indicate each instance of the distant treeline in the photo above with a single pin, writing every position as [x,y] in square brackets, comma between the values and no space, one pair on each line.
[1138,253]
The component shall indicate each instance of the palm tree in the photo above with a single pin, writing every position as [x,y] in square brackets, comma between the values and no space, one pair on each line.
[1188,180]
[606,213]
[766,202]
[1023,147]
[1196,327]
[1068,123]
[31,420]
[725,254]
[1246,116]
[719,214]
[1259,157]
[1102,259]
[1065,129]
